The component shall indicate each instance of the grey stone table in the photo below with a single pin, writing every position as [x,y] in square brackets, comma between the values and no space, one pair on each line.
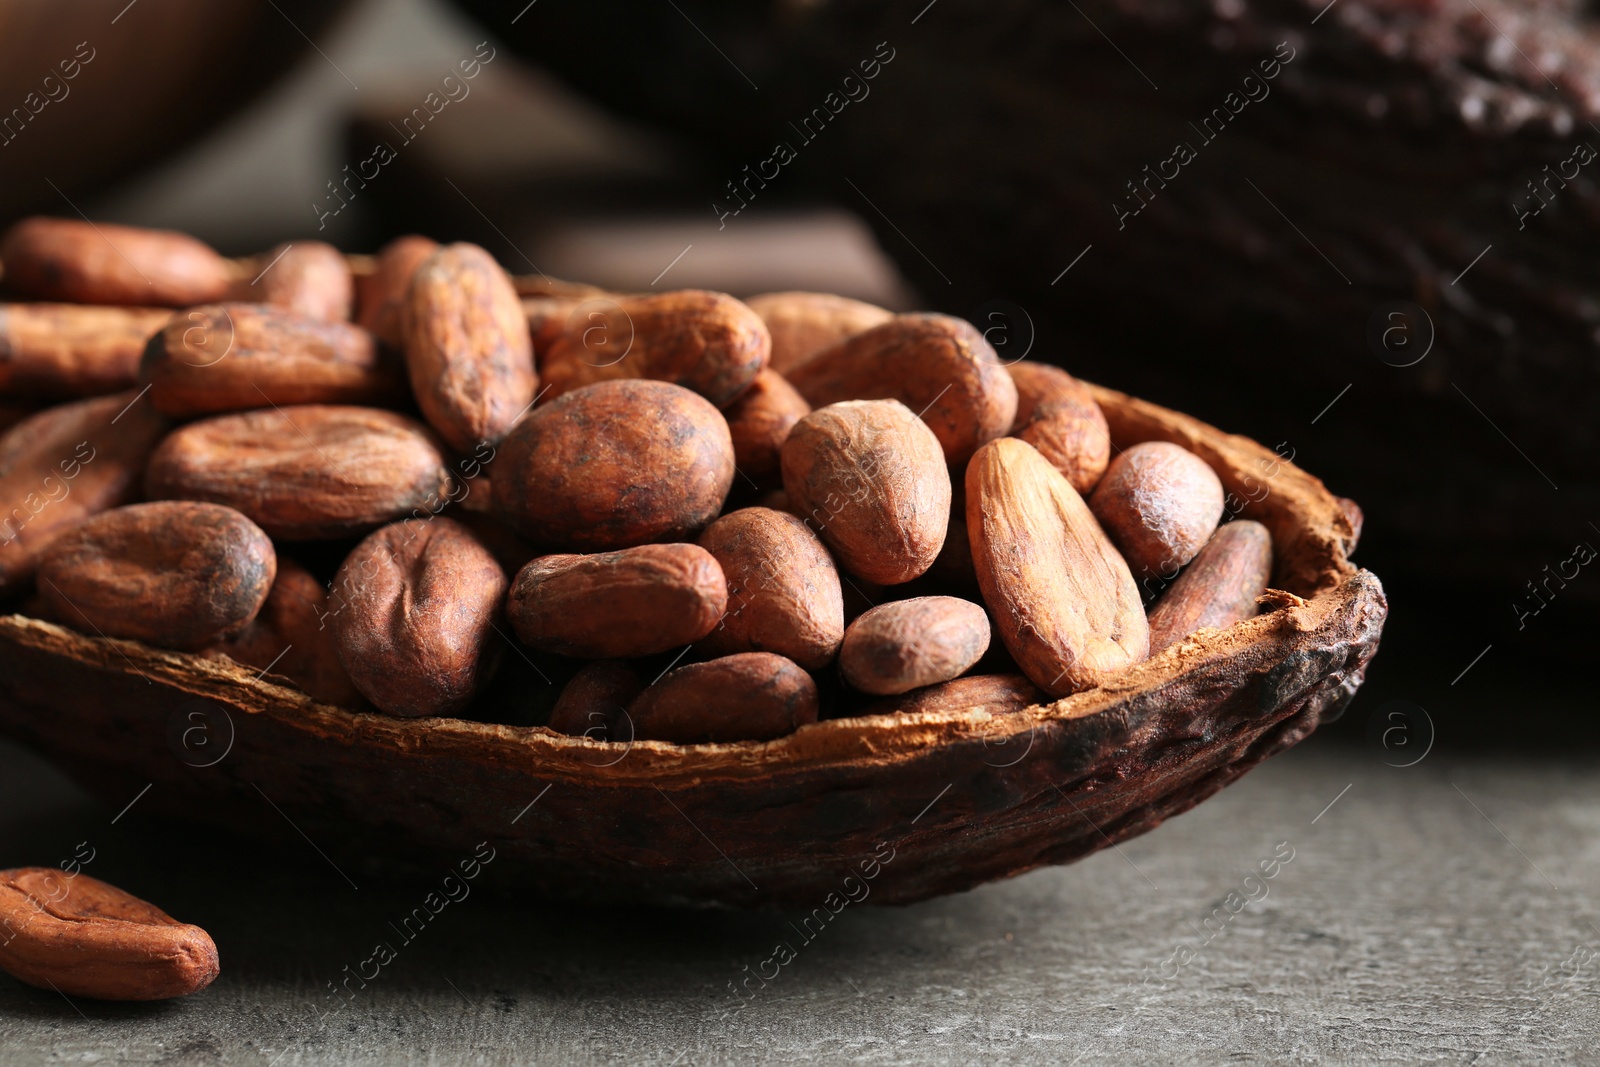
[1442,912]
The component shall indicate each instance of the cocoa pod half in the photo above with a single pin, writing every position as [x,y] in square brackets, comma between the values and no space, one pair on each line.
[908,644]
[707,342]
[234,357]
[870,478]
[413,609]
[103,263]
[62,350]
[618,604]
[171,573]
[803,324]
[306,472]
[61,466]
[935,364]
[614,465]
[753,696]
[784,594]
[1063,599]
[86,938]
[467,347]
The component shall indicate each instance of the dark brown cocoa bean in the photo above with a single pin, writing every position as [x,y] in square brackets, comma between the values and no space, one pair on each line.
[1218,588]
[753,696]
[594,704]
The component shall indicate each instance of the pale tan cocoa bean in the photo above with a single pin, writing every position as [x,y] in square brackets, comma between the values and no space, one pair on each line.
[1062,597]
[308,278]
[414,611]
[61,350]
[64,464]
[783,589]
[615,465]
[307,472]
[760,421]
[103,263]
[617,605]
[935,364]
[83,937]
[870,477]
[234,357]
[753,696]
[803,324]
[594,704]
[908,644]
[1057,414]
[171,573]
[706,342]
[381,295]
[1218,588]
[467,347]
[291,638]
[1160,503]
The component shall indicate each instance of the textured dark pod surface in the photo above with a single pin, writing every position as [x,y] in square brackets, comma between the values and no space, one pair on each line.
[961,797]
[1393,148]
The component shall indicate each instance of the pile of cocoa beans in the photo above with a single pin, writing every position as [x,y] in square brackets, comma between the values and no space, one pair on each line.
[695,518]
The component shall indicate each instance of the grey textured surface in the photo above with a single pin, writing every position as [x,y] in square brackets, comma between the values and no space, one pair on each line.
[1441,913]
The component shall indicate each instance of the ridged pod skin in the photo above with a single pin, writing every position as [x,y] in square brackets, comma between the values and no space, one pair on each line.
[803,324]
[83,937]
[172,574]
[64,464]
[870,478]
[908,644]
[290,638]
[1218,588]
[307,278]
[759,422]
[234,357]
[615,465]
[1160,503]
[413,613]
[65,350]
[308,472]
[753,696]
[633,602]
[594,703]
[381,297]
[467,347]
[1057,414]
[706,342]
[937,365]
[783,588]
[102,263]
[1062,597]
